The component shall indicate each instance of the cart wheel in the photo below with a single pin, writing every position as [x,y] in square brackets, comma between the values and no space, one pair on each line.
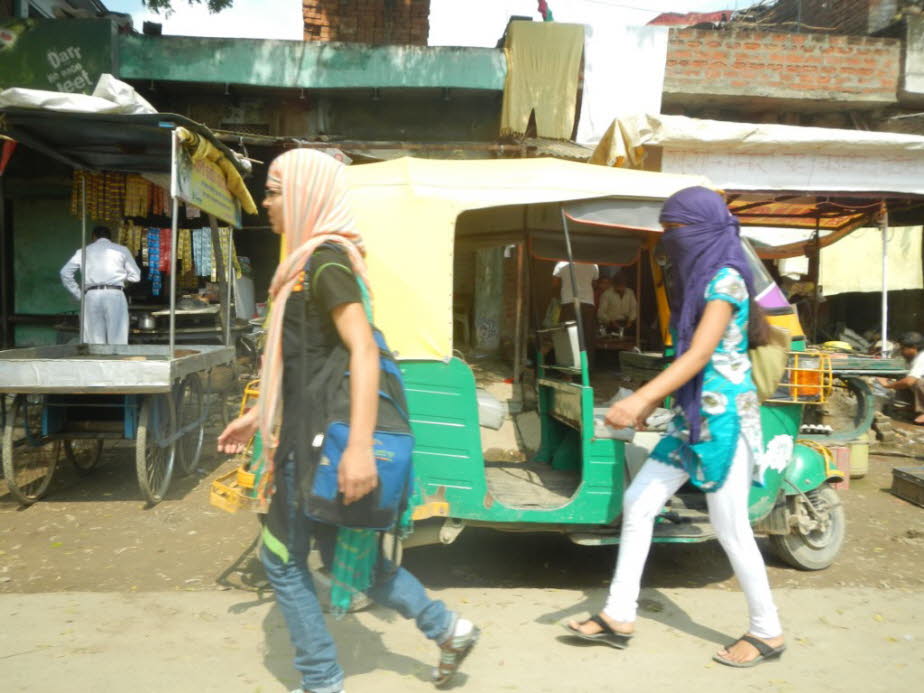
[153,457]
[190,408]
[29,461]
[83,453]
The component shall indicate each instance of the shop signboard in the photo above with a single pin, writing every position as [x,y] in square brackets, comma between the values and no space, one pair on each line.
[202,184]
[55,54]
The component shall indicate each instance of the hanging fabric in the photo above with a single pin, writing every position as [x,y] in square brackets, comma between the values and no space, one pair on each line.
[543,62]
[545,11]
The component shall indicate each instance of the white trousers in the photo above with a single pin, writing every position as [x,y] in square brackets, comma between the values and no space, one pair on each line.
[728,511]
[105,317]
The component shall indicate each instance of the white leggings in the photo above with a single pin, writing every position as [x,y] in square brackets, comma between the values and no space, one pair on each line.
[728,511]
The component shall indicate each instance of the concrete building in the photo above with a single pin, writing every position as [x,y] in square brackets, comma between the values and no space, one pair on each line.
[365,81]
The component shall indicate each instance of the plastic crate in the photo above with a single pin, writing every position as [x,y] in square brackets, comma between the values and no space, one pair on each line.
[227,493]
[808,379]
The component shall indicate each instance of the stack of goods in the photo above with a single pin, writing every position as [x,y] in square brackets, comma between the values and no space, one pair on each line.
[137,196]
[115,195]
[105,194]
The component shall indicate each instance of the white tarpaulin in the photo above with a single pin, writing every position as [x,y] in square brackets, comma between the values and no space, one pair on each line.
[852,264]
[623,67]
[623,74]
[110,96]
[748,156]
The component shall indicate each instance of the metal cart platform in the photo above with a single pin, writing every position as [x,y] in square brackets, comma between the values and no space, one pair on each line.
[69,399]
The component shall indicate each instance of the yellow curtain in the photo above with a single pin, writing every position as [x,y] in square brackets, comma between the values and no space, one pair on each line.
[543,63]
[841,261]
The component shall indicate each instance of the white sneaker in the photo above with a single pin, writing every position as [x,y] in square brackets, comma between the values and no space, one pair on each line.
[454,650]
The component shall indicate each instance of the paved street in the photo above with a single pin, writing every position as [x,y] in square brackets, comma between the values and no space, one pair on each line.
[98,592]
[840,640]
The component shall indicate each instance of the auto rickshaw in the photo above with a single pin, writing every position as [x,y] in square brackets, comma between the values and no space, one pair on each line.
[412,214]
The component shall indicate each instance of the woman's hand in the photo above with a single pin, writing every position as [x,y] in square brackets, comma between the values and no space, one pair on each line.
[358,475]
[631,411]
[237,434]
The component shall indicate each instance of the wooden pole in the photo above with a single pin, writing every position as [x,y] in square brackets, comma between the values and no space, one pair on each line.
[638,301]
[814,274]
[6,276]
[518,328]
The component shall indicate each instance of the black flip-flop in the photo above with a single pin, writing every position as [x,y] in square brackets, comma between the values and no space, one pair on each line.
[607,636]
[766,653]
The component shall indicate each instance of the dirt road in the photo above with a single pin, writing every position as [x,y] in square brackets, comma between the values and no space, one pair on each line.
[97,590]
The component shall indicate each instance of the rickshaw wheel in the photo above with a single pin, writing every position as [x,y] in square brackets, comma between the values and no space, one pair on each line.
[190,407]
[83,454]
[29,460]
[816,548]
[154,459]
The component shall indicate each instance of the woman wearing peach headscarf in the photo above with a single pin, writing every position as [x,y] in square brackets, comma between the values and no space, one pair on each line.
[306,200]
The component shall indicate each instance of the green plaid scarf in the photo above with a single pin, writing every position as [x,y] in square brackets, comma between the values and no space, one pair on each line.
[356,557]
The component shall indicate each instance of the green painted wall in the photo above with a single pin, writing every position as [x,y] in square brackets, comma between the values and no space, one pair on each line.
[57,55]
[45,237]
[308,65]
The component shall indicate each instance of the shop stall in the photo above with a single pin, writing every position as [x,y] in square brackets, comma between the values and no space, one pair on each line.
[68,399]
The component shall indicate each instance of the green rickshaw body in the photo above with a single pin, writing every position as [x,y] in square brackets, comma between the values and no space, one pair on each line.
[450,465]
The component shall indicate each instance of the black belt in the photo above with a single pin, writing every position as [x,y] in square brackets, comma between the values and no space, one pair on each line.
[114,287]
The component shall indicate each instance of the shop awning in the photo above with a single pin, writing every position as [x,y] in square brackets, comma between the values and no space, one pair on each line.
[138,143]
[782,176]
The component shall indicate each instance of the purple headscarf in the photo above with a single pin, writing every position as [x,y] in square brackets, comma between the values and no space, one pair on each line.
[708,241]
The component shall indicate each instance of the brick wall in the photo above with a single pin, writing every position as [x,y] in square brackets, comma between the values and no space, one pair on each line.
[744,66]
[367,21]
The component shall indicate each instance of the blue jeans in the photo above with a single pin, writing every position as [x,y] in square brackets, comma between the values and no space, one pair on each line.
[315,651]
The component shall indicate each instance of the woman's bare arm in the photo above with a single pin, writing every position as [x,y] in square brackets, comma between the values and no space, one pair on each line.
[358,474]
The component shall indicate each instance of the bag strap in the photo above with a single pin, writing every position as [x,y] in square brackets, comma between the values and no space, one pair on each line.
[363,289]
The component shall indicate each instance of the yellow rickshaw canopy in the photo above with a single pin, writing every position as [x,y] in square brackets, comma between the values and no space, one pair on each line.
[407,211]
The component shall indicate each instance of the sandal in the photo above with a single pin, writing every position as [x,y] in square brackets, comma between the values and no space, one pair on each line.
[766,653]
[452,653]
[607,636]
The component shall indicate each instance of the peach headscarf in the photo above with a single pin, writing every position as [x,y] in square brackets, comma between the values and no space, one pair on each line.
[315,210]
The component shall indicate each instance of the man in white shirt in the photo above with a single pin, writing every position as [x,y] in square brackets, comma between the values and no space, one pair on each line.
[109,266]
[584,274]
[618,307]
[912,346]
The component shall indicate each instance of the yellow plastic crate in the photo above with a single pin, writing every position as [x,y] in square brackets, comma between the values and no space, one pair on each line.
[808,379]
[233,491]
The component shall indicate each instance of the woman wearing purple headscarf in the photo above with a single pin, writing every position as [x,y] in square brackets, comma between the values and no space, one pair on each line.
[714,440]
